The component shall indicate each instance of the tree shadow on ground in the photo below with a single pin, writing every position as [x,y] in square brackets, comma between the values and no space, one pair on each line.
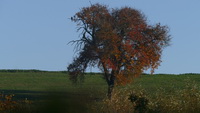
[52,102]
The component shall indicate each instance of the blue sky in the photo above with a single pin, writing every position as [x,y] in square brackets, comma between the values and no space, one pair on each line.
[34,33]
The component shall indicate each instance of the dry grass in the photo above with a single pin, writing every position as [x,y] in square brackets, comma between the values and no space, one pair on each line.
[186,100]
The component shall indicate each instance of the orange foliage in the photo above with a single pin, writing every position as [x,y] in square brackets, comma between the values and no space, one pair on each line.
[119,40]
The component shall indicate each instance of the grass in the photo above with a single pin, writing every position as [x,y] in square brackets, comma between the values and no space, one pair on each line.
[51,90]
[48,89]
[167,82]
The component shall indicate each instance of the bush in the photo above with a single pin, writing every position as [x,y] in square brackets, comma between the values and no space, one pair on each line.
[186,100]
[123,101]
[140,102]
[129,100]
[8,105]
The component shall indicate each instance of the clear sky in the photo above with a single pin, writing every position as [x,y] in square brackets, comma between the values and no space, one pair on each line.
[34,33]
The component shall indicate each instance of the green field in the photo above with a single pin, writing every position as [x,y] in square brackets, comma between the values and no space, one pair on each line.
[43,87]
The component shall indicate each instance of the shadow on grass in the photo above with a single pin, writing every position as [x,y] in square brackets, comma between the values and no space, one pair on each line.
[51,102]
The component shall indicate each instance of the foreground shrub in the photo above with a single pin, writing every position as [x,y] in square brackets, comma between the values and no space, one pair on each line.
[139,102]
[8,105]
[122,101]
[184,100]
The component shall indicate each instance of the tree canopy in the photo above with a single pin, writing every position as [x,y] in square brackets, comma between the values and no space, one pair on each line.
[119,42]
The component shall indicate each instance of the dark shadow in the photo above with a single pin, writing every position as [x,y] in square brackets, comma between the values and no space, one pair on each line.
[52,102]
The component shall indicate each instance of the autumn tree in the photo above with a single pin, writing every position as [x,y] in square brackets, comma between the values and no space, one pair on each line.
[118,41]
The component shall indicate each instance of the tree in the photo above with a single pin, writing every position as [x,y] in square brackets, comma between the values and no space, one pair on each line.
[118,41]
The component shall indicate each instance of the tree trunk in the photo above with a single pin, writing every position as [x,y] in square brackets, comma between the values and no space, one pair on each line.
[111,85]
[110,89]
[110,79]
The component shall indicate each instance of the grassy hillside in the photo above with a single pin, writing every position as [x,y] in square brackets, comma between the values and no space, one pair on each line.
[14,82]
[40,86]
